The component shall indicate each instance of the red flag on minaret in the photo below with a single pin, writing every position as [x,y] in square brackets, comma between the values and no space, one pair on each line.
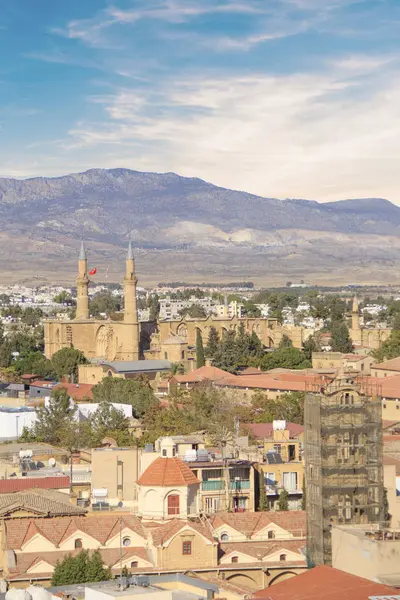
[93,271]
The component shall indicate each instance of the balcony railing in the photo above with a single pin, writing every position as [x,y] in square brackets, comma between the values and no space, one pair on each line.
[213,486]
[243,484]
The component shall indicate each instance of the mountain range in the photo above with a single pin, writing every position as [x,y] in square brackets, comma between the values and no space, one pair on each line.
[185,229]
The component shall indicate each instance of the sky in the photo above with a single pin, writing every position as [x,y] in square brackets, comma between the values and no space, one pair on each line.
[281,98]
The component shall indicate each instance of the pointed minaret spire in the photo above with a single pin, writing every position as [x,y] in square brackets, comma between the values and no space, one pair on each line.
[82,283]
[82,253]
[129,255]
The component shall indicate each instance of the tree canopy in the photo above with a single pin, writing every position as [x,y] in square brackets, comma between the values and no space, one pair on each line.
[340,337]
[65,363]
[137,393]
[82,568]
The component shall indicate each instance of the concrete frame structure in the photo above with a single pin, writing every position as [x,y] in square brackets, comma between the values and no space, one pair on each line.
[343,455]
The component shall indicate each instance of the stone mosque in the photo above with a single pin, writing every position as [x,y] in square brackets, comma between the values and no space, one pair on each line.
[172,340]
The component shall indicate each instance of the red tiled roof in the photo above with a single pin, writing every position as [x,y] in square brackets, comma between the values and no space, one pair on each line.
[77,391]
[293,521]
[8,486]
[325,582]
[168,472]
[265,430]
[262,550]
[389,365]
[282,382]
[58,528]
[202,374]
[165,532]
[29,376]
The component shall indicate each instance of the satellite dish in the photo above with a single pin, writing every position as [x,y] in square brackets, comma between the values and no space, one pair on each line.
[52,462]
[120,504]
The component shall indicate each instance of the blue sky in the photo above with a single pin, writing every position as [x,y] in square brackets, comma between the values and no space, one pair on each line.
[285,98]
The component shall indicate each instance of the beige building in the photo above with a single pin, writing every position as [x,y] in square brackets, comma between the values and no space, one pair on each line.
[388,368]
[114,475]
[363,336]
[359,363]
[370,551]
[283,467]
[110,340]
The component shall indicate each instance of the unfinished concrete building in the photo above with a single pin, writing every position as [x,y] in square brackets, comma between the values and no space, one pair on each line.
[343,454]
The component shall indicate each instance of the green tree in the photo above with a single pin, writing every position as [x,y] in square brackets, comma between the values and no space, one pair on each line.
[283,500]
[212,343]
[128,391]
[226,357]
[36,363]
[111,422]
[310,346]
[63,297]
[5,354]
[200,358]
[251,310]
[284,358]
[154,306]
[285,342]
[195,311]
[340,337]
[288,407]
[263,504]
[390,348]
[65,362]
[81,568]
[56,423]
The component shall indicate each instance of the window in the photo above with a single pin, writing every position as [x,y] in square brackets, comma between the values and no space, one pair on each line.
[109,373]
[187,548]
[235,559]
[164,452]
[173,505]
[183,355]
[271,535]
[384,406]
[166,355]
[126,541]
[78,543]
[397,407]
[224,537]
[134,564]
[282,557]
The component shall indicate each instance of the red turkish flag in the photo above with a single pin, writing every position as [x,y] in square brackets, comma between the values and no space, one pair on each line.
[93,271]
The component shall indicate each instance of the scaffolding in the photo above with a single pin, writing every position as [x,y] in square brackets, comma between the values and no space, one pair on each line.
[343,455]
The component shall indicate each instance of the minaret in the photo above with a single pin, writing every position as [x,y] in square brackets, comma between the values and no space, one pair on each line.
[131,337]
[130,281]
[355,316]
[82,284]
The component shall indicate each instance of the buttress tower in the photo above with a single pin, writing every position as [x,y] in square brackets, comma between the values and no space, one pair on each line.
[82,285]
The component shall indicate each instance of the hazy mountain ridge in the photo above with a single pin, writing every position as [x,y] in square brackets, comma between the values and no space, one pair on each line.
[166,212]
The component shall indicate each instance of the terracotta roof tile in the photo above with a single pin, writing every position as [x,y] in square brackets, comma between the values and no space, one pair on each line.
[168,472]
[325,582]
[43,502]
[390,365]
[249,524]
[77,391]
[164,532]
[8,486]
[265,430]
[262,550]
[60,528]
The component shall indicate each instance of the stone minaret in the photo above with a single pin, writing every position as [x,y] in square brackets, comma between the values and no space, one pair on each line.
[82,284]
[355,316]
[130,310]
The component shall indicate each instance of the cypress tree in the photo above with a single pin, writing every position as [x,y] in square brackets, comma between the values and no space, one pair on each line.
[283,501]
[263,502]
[200,358]
[212,343]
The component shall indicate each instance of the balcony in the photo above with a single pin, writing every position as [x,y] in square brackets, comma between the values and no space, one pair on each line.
[238,485]
[212,486]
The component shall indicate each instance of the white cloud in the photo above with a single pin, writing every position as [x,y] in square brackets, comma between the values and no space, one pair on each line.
[321,136]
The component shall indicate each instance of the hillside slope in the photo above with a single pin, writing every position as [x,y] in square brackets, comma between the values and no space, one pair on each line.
[186,228]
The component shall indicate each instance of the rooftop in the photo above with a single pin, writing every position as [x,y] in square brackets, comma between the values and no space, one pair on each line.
[168,472]
[390,365]
[136,366]
[325,582]
[77,391]
[38,501]
[266,430]
[9,486]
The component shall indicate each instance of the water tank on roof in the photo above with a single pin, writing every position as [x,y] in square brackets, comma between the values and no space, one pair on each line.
[38,592]
[52,462]
[15,594]
[279,425]
[24,454]
[202,455]
[190,456]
